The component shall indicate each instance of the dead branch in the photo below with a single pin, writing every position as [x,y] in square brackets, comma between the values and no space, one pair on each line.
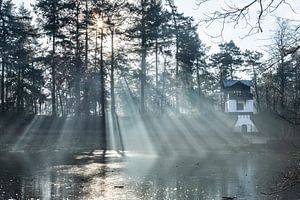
[285,181]
[239,14]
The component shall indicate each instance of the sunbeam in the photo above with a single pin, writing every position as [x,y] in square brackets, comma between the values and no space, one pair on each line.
[26,135]
[120,100]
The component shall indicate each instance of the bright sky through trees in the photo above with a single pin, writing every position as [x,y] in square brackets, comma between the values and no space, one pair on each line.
[209,34]
[237,34]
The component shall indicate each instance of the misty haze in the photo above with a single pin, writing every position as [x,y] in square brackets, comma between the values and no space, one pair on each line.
[149,99]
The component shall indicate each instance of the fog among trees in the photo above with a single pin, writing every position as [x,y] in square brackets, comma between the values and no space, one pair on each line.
[82,57]
[125,94]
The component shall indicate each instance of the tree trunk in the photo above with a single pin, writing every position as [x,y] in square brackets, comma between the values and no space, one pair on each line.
[143,81]
[198,85]
[2,86]
[102,82]
[19,89]
[22,89]
[40,107]
[267,97]
[53,96]
[282,86]
[231,72]
[60,101]
[87,94]
[143,62]
[2,71]
[77,64]
[198,78]
[53,70]
[176,57]
[156,64]
[162,97]
[176,70]
[274,99]
[96,62]
[112,82]
[156,74]
[256,90]
[86,34]
[297,88]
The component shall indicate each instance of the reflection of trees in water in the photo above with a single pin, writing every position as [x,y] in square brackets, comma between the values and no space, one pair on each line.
[99,174]
[49,176]
[210,177]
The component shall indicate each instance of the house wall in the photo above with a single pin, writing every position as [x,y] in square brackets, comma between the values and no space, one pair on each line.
[231,106]
[244,120]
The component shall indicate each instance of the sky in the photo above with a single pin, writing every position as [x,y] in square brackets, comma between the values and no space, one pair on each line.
[257,42]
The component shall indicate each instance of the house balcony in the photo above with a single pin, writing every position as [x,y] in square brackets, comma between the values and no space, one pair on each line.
[240,96]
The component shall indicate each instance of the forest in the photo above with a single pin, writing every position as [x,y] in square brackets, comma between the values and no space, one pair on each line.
[90,57]
[91,89]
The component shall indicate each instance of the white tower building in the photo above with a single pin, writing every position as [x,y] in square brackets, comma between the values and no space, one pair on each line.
[238,101]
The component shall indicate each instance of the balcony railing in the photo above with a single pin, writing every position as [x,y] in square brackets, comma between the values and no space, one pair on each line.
[240,96]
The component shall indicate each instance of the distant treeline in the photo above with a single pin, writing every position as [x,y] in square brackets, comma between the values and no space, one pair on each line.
[88,57]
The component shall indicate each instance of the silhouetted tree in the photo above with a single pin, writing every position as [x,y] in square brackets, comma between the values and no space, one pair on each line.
[53,18]
[253,66]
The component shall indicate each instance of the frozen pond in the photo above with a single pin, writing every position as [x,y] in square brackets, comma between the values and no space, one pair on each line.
[108,175]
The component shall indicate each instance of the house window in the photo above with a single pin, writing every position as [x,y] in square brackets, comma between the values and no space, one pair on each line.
[237,92]
[239,105]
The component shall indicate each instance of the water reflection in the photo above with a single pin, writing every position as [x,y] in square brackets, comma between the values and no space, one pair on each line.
[217,175]
[107,175]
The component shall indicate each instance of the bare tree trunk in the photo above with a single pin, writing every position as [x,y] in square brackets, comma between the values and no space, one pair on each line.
[156,64]
[53,70]
[177,69]
[112,82]
[198,77]
[7,92]
[60,101]
[22,89]
[53,96]
[86,34]
[96,62]
[297,86]
[143,62]
[2,86]
[143,81]
[156,72]
[35,105]
[2,64]
[198,84]
[102,82]
[174,12]
[40,107]
[267,97]
[1,7]
[282,86]
[231,72]
[19,89]
[256,89]
[77,64]
[87,105]
[2,70]
[274,99]
[162,98]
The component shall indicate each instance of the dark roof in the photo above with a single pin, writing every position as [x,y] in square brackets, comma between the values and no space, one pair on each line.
[229,83]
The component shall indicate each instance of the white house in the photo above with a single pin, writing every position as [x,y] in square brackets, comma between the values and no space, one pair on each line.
[238,101]
[244,124]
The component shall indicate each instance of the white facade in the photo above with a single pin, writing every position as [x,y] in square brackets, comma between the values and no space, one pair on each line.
[239,106]
[244,122]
